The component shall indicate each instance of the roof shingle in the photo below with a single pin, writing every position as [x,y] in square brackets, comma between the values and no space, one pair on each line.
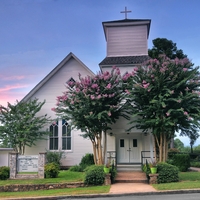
[124,60]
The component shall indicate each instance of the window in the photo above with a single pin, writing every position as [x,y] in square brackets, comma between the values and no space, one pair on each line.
[60,136]
[53,139]
[134,142]
[71,82]
[121,142]
[66,136]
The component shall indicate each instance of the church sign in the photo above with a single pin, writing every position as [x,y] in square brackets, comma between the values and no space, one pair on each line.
[27,163]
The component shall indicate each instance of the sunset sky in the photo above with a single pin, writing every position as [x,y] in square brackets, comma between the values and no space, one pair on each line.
[37,34]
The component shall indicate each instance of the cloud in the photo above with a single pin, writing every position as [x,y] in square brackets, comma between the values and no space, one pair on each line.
[9,78]
[11,87]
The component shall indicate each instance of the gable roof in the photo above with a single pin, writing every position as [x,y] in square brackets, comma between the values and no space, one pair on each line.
[51,74]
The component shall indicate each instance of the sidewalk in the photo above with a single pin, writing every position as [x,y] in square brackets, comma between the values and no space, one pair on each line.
[122,188]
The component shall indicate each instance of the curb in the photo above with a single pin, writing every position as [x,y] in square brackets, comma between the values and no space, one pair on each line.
[108,195]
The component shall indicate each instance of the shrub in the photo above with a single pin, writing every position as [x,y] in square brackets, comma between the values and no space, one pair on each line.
[94,175]
[182,161]
[76,168]
[51,170]
[4,173]
[195,164]
[54,157]
[87,160]
[172,152]
[113,173]
[167,173]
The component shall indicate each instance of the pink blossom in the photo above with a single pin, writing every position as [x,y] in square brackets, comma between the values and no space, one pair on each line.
[135,69]
[108,86]
[92,97]
[53,109]
[94,86]
[185,113]
[109,113]
[127,92]
[185,69]
[179,101]
[126,76]
[190,118]
[99,96]
[168,114]
[118,71]
[146,85]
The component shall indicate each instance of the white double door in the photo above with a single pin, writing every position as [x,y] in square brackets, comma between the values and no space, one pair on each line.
[129,149]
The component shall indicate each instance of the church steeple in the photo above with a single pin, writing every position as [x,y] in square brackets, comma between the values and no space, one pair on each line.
[127,41]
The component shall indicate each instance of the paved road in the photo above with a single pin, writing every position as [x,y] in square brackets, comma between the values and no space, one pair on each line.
[191,196]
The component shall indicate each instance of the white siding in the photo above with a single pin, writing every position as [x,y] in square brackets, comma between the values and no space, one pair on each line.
[54,87]
[123,69]
[4,157]
[127,40]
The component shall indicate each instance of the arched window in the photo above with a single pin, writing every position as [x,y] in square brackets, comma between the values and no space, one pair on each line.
[60,136]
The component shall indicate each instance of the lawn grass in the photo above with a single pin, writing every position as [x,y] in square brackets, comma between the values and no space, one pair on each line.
[187,180]
[57,192]
[64,176]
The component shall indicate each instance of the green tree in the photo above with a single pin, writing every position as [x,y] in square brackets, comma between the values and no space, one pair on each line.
[164,95]
[193,133]
[167,47]
[178,144]
[92,104]
[20,124]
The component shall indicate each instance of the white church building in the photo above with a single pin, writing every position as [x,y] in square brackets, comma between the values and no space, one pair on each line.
[127,47]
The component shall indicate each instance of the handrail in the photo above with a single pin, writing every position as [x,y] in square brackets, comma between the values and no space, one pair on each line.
[143,157]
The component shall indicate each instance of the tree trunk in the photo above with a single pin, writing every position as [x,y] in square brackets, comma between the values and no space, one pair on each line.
[154,147]
[100,161]
[104,148]
[94,152]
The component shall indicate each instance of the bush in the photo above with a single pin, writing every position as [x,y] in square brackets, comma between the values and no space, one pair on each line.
[195,164]
[54,157]
[87,160]
[167,173]
[51,170]
[182,161]
[76,168]
[4,173]
[113,173]
[94,175]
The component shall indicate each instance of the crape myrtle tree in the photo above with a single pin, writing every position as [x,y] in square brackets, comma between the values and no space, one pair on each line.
[21,126]
[92,104]
[164,95]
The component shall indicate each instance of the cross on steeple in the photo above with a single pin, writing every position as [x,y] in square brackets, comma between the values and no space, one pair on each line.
[126,11]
